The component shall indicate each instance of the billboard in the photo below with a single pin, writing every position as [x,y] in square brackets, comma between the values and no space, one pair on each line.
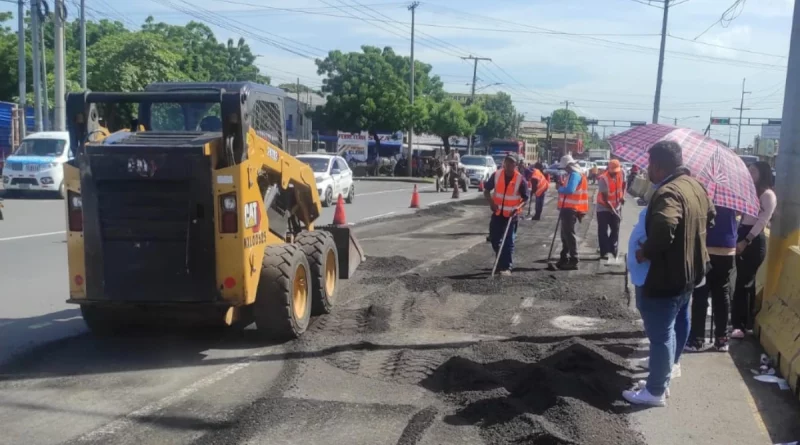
[770,131]
[353,145]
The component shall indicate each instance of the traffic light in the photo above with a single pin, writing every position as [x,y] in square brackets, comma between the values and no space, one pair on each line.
[638,123]
[720,121]
[773,121]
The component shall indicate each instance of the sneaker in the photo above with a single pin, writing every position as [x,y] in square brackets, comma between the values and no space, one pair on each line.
[695,346]
[643,397]
[737,333]
[505,273]
[642,384]
[676,371]
[721,344]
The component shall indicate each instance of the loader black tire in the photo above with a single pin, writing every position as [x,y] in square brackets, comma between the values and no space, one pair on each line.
[323,262]
[283,299]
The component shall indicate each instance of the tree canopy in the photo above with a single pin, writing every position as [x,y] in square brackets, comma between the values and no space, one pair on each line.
[501,116]
[119,59]
[569,120]
[447,117]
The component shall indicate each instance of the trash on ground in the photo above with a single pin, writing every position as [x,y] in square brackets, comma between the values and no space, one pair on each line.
[782,384]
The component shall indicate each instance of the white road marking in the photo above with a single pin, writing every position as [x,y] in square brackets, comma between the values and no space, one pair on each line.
[527,302]
[515,319]
[129,419]
[35,235]
[382,215]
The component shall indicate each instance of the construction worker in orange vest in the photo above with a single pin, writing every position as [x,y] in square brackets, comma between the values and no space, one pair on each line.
[507,191]
[573,204]
[610,198]
[539,184]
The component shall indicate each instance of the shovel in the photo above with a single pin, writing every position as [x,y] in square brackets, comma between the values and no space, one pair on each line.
[550,265]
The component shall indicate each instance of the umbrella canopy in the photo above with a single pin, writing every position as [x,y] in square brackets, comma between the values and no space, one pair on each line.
[717,167]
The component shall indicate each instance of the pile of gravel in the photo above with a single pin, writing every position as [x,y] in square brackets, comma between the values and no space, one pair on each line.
[388,265]
[569,395]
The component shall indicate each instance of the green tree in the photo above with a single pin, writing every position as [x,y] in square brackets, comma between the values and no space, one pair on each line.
[365,92]
[501,116]
[569,120]
[447,118]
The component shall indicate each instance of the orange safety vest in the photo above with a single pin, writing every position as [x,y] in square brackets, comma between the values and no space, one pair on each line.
[616,191]
[542,183]
[506,197]
[579,201]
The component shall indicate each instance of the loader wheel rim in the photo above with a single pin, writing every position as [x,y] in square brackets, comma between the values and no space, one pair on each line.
[330,273]
[300,294]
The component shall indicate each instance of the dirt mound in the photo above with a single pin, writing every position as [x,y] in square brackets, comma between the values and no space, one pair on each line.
[388,265]
[601,307]
[568,396]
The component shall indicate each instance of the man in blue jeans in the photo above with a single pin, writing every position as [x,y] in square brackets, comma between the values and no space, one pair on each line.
[676,221]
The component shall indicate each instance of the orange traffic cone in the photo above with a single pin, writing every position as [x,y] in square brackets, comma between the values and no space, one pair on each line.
[480,185]
[415,198]
[338,215]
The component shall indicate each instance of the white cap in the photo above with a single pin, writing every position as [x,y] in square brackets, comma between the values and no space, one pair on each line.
[567,160]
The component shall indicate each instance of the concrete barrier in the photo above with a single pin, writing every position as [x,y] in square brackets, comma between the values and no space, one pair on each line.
[778,322]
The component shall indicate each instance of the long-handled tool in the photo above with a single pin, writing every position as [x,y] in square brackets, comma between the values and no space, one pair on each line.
[550,265]
[503,241]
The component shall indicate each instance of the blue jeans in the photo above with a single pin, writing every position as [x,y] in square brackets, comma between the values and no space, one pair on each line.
[497,226]
[666,323]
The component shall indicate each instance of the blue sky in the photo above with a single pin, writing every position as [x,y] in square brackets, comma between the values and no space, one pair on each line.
[600,55]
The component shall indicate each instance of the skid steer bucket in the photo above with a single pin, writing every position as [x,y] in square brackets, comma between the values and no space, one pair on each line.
[349,250]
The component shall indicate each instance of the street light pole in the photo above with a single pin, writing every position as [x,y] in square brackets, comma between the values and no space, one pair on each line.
[741,109]
[21,67]
[659,77]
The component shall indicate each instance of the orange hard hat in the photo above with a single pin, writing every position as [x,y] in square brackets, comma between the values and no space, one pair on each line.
[614,166]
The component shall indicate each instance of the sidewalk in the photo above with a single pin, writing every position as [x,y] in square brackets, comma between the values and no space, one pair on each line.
[716,400]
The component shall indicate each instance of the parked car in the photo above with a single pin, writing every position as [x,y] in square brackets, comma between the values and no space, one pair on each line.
[602,165]
[478,168]
[333,177]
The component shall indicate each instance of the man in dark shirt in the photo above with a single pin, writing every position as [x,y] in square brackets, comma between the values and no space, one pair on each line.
[506,191]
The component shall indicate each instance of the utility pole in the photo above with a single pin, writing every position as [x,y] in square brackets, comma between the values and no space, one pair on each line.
[21,67]
[60,109]
[45,95]
[741,109]
[566,126]
[472,96]
[409,161]
[300,133]
[83,45]
[659,78]
[784,230]
[37,65]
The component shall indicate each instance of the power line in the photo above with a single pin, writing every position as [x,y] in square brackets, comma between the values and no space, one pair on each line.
[726,47]
[728,16]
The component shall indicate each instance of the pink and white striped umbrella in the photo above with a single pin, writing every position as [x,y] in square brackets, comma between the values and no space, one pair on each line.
[717,167]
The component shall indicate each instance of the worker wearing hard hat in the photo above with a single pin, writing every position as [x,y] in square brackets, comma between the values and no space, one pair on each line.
[573,204]
[610,198]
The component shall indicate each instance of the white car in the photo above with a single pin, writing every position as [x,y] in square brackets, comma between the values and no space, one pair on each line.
[36,165]
[602,165]
[478,168]
[333,177]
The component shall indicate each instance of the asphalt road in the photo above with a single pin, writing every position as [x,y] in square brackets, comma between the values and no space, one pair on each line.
[422,348]
[33,269]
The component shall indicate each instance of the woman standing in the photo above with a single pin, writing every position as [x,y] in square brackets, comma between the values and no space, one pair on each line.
[751,248]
